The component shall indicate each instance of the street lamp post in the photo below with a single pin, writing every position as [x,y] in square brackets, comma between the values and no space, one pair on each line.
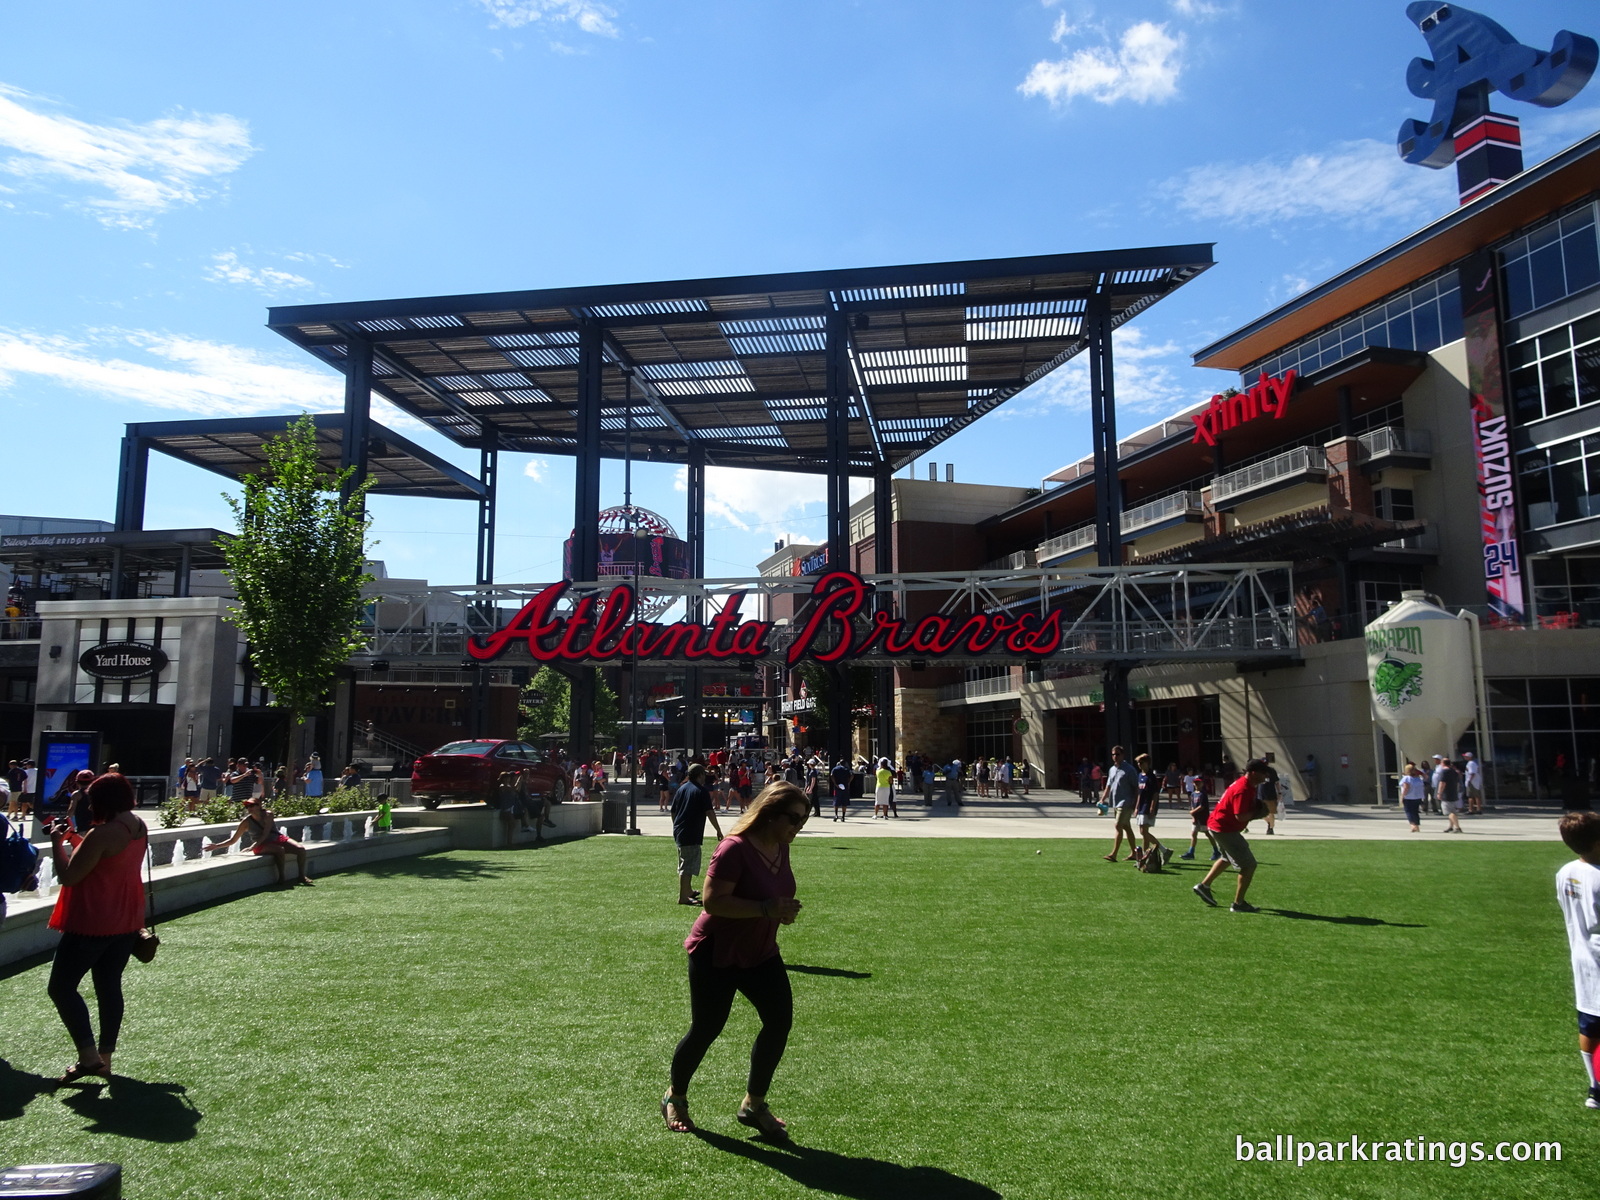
[633,552]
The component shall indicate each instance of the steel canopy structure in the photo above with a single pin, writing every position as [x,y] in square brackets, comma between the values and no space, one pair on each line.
[852,372]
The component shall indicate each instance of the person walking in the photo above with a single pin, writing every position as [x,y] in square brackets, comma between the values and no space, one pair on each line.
[1120,795]
[189,783]
[1199,786]
[839,780]
[1268,794]
[954,779]
[311,777]
[733,947]
[1085,782]
[210,780]
[99,913]
[691,808]
[1578,894]
[1308,772]
[914,765]
[1449,790]
[1413,790]
[1239,805]
[1472,773]
[883,796]
[1146,805]
[240,780]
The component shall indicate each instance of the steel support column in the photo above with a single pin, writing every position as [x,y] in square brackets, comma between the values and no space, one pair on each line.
[695,535]
[1107,503]
[586,515]
[132,473]
[883,564]
[837,385]
[488,475]
[357,432]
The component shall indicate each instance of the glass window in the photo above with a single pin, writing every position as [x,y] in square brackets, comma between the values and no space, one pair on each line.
[1535,480]
[1520,354]
[1427,326]
[1508,691]
[1519,288]
[1582,261]
[1556,339]
[1588,359]
[1547,691]
[1450,319]
[1549,278]
[1586,330]
[1560,389]
[1525,395]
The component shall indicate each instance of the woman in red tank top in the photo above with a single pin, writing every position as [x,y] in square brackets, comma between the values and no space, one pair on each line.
[99,912]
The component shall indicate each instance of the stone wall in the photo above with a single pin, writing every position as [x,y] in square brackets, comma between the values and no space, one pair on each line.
[921,725]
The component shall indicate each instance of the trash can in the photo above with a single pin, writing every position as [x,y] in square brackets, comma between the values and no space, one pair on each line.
[614,816]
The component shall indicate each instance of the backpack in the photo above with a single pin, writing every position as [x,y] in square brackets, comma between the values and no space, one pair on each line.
[1149,861]
[19,863]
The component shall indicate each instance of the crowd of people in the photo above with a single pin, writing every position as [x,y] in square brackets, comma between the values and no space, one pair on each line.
[1451,787]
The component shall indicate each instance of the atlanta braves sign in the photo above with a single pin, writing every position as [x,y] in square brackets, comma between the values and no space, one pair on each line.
[839,626]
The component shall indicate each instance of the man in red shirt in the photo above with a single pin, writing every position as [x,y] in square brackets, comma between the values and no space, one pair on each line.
[1228,821]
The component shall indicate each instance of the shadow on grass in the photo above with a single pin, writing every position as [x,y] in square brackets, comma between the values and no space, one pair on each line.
[842,1175]
[17,1088]
[132,1108]
[433,867]
[833,971]
[1345,920]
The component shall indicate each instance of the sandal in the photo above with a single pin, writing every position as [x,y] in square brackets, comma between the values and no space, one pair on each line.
[759,1116]
[683,1123]
[78,1071]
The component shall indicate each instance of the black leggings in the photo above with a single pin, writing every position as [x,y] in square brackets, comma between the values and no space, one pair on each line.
[77,956]
[711,990]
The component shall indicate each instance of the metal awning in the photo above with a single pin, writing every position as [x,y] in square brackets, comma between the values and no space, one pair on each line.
[738,368]
[232,447]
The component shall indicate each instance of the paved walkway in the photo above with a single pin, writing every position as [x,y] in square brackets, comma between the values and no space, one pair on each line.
[1056,814]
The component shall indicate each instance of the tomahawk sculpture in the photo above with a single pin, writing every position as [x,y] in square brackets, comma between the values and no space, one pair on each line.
[1472,57]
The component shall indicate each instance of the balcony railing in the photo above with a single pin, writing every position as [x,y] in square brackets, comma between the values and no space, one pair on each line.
[1305,462]
[998,685]
[1179,504]
[1393,439]
[1074,541]
[1012,562]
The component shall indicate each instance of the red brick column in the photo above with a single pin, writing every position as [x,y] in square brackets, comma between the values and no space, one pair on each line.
[1348,488]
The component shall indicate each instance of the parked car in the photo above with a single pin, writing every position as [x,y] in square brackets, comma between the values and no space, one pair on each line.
[469,771]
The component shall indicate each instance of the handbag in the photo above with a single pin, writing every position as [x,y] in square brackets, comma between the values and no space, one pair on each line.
[145,942]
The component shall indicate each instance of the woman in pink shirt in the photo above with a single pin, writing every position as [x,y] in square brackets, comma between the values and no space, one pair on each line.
[99,912]
[733,947]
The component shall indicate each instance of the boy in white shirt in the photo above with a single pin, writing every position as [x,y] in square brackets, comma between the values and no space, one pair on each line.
[1578,892]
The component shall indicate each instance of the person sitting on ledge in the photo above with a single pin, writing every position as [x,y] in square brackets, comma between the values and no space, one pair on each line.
[269,839]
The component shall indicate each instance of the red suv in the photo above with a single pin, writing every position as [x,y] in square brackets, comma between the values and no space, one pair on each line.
[469,771]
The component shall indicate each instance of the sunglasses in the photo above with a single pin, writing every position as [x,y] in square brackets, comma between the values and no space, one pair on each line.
[796,819]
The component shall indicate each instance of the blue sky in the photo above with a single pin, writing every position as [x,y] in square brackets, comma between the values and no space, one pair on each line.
[168,170]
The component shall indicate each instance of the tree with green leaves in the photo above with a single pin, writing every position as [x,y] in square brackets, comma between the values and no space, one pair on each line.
[553,711]
[297,565]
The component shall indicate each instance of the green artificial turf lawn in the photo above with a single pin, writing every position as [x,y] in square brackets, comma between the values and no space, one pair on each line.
[973,1019]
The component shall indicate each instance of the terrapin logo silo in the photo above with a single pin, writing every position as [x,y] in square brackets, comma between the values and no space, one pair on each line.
[1395,681]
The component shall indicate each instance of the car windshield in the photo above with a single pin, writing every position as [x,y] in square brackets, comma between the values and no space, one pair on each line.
[467,748]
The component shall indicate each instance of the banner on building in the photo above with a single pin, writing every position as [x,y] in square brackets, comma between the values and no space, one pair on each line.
[1491,437]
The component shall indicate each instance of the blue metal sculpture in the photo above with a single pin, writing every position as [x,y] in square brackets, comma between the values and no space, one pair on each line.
[1474,56]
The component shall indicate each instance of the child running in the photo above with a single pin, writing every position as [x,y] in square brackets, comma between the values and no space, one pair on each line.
[1578,892]
[1199,813]
[1145,809]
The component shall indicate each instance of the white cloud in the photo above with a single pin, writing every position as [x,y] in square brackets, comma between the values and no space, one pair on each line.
[1144,67]
[537,469]
[1202,10]
[1150,378]
[736,494]
[146,168]
[1362,183]
[226,267]
[587,15]
[171,372]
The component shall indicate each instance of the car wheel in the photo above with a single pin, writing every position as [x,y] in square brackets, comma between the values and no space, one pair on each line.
[559,794]
[430,802]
